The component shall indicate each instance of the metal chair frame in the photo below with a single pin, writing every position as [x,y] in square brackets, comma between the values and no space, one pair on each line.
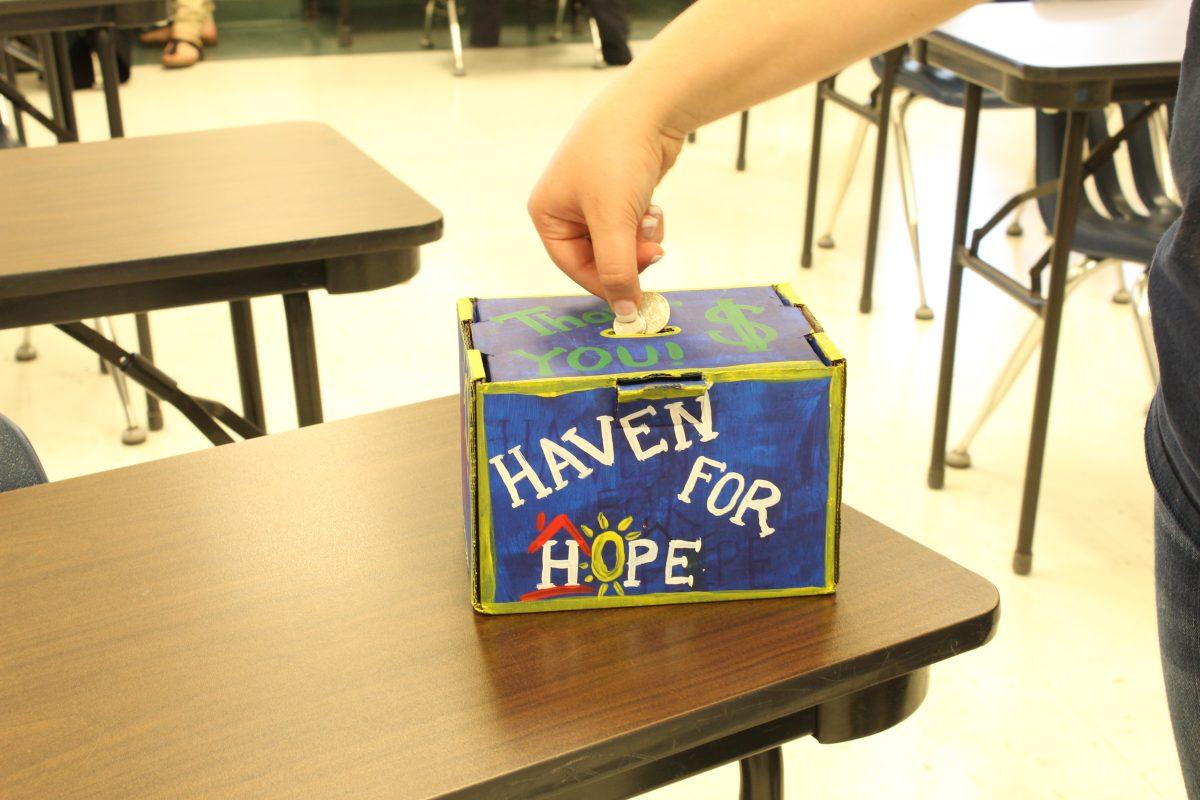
[449,9]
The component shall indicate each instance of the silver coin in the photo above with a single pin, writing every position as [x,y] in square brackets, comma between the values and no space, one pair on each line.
[656,312]
[634,328]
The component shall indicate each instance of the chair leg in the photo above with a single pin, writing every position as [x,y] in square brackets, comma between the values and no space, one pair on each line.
[762,776]
[560,13]
[908,192]
[1142,321]
[1014,227]
[856,145]
[133,433]
[456,37]
[427,36]
[959,456]
[597,48]
[25,350]
[1121,295]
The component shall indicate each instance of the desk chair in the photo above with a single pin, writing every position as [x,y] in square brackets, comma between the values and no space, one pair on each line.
[19,464]
[896,69]
[1122,233]
[449,9]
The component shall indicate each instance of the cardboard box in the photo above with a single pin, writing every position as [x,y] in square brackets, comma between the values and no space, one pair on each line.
[701,463]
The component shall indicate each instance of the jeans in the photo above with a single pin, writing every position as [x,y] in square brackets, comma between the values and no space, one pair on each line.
[1177,574]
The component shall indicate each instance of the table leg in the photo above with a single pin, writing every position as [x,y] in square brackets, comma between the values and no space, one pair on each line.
[1070,184]
[966,169]
[106,43]
[743,132]
[61,55]
[891,63]
[345,37]
[303,345]
[762,776]
[247,362]
[154,417]
[814,171]
[10,74]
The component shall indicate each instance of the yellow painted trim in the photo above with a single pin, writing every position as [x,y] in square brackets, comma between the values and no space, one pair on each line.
[466,309]
[658,599]
[829,348]
[475,366]
[554,387]
[833,509]
[484,529]
[637,392]
[786,291]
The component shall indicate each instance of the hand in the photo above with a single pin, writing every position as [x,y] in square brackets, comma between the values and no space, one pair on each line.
[592,205]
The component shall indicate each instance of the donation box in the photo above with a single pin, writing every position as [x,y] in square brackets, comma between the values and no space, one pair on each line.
[700,463]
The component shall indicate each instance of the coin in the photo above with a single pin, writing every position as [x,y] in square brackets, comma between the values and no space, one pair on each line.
[630,328]
[656,312]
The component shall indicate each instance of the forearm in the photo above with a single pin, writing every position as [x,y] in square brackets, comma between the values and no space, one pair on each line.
[722,56]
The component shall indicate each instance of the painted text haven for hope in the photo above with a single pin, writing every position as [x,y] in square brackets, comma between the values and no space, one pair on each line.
[729,492]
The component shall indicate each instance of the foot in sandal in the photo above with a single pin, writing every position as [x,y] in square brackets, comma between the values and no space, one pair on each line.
[181,53]
[164,33]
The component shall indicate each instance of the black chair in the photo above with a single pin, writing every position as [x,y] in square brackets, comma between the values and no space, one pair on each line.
[897,70]
[1111,235]
[19,464]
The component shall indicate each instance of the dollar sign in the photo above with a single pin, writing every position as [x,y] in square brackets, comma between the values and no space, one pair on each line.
[753,336]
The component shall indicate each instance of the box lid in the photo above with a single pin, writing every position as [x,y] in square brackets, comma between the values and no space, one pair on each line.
[543,337]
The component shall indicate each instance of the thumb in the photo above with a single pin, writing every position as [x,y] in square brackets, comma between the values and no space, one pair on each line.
[614,248]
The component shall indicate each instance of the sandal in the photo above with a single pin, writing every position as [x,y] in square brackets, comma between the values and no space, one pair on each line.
[163,34]
[175,56]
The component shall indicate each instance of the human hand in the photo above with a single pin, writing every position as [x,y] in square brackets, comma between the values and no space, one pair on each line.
[592,206]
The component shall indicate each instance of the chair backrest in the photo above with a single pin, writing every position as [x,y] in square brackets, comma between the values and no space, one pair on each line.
[1122,232]
[19,464]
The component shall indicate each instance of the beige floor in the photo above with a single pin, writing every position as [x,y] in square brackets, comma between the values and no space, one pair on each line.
[1067,701]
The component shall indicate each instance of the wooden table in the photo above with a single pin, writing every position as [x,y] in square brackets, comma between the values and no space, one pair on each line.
[132,225]
[1070,56]
[290,617]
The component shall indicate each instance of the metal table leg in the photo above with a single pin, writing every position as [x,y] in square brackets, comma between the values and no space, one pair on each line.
[247,362]
[966,169]
[1069,188]
[762,776]
[154,417]
[106,44]
[814,171]
[61,56]
[345,38]
[891,63]
[743,131]
[303,345]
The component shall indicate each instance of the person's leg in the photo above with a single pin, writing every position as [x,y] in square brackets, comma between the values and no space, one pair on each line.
[191,17]
[1177,573]
[486,18]
[612,19]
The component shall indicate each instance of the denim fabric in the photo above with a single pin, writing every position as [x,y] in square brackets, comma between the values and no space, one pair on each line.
[1177,573]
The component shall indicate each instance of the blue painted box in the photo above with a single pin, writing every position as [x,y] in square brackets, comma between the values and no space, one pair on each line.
[701,463]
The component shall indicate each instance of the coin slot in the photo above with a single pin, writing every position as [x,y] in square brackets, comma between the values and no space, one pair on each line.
[670,330]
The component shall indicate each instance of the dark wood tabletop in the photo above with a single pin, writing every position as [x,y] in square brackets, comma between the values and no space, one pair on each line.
[1018,48]
[80,216]
[29,16]
[290,617]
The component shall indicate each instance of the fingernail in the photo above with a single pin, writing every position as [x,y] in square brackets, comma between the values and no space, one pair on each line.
[626,310]
[649,223]
[654,211]
[657,258]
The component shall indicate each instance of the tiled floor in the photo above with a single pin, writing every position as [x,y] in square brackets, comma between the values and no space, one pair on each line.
[1067,701]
